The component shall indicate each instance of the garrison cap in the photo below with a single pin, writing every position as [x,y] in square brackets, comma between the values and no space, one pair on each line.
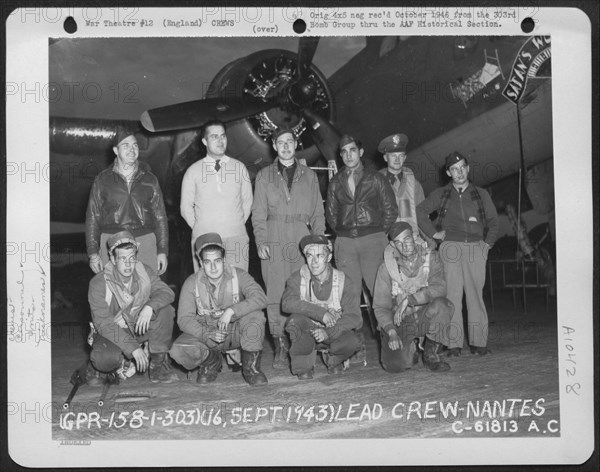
[208,239]
[394,143]
[347,139]
[397,228]
[453,158]
[279,131]
[122,133]
[313,239]
[119,238]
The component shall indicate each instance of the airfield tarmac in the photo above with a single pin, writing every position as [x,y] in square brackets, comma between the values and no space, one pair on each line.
[512,393]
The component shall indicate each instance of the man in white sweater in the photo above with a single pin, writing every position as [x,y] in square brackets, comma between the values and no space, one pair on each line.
[216,196]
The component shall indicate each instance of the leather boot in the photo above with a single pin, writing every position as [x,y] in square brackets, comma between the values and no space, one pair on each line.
[234,360]
[282,348]
[160,369]
[431,357]
[93,377]
[307,375]
[454,352]
[360,356]
[251,368]
[210,367]
[333,363]
[482,351]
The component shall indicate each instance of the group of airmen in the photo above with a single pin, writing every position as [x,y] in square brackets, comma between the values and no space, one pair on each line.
[415,268]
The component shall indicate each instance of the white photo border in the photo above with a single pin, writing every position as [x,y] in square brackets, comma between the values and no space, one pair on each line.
[28,33]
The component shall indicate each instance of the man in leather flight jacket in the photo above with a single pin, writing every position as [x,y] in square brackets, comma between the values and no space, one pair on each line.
[127,197]
[361,208]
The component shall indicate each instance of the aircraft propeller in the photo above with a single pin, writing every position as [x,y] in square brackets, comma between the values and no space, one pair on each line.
[297,96]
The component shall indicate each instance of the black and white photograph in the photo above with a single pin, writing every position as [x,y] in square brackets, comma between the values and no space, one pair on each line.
[301,233]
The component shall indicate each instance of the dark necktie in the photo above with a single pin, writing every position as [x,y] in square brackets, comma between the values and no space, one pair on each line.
[288,175]
[218,165]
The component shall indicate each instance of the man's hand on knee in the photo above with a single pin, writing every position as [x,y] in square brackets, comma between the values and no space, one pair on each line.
[394,342]
[218,336]
[319,334]
[225,319]
[143,322]
[141,359]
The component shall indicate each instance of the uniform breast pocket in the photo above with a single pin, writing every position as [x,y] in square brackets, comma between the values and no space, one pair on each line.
[111,210]
[142,200]
[275,200]
[144,192]
[474,225]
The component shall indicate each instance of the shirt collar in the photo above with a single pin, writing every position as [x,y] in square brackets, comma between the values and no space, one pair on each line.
[464,188]
[115,168]
[280,166]
[212,160]
[357,170]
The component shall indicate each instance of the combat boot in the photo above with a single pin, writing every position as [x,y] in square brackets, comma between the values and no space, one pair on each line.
[234,360]
[307,375]
[160,369]
[210,367]
[431,357]
[282,348]
[93,377]
[334,365]
[251,368]
[454,352]
[482,351]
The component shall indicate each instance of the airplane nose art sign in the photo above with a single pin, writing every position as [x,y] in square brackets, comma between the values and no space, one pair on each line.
[533,61]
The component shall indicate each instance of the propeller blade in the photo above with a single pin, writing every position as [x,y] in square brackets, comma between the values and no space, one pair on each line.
[323,134]
[195,113]
[306,51]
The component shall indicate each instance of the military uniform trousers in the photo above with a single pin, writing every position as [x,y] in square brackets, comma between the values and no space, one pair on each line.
[464,267]
[106,356]
[359,258]
[341,343]
[247,333]
[431,320]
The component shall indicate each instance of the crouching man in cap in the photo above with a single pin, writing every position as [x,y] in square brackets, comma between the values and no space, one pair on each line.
[409,302]
[130,305]
[324,310]
[220,310]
